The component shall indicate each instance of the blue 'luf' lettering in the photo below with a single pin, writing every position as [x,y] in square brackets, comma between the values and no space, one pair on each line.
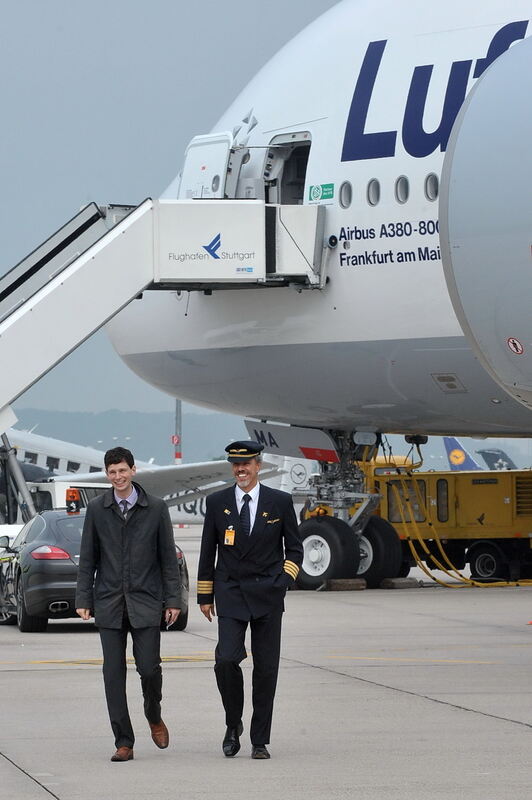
[359,145]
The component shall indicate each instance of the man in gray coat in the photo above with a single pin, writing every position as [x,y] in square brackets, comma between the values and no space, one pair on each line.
[128,573]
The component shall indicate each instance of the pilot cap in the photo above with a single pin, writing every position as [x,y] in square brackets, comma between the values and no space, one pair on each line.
[243,451]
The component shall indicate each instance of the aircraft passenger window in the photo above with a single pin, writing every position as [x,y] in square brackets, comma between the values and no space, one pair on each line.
[432,186]
[442,500]
[30,458]
[374,192]
[402,189]
[95,469]
[72,466]
[345,194]
[52,463]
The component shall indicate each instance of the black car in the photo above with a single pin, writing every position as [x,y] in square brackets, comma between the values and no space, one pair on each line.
[39,569]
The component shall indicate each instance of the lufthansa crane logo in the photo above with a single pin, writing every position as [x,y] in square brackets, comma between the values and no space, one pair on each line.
[213,247]
[457,457]
[298,473]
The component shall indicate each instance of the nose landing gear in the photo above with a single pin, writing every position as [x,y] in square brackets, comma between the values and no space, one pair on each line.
[348,544]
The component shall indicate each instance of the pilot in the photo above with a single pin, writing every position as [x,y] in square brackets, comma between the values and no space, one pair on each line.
[250,555]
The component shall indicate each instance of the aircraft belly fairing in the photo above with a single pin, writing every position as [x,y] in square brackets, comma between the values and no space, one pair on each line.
[408,385]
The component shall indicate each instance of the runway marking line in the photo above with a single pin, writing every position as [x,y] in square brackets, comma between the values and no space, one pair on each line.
[411,660]
[99,661]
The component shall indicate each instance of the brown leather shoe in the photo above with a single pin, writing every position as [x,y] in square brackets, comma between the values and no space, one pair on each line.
[123,754]
[159,734]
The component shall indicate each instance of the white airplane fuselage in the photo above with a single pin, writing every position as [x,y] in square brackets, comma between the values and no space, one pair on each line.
[375,88]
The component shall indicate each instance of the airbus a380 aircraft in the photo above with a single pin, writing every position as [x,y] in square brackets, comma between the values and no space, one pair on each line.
[356,114]
[406,127]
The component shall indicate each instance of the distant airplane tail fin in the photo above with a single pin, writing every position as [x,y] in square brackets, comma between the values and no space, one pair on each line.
[496,459]
[458,457]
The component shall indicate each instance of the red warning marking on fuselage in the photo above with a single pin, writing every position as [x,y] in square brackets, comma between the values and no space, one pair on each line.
[320,454]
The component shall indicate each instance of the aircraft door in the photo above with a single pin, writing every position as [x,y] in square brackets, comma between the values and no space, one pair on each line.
[205,167]
[285,168]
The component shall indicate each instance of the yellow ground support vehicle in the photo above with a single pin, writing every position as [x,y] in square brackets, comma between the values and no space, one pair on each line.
[483,518]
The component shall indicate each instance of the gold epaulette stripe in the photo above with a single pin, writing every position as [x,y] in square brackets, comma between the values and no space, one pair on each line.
[292,574]
[291,568]
[205,587]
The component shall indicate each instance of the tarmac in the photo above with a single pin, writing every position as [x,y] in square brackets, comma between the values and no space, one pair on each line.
[413,693]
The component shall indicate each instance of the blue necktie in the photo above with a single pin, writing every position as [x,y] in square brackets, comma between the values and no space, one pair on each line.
[245,519]
[123,503]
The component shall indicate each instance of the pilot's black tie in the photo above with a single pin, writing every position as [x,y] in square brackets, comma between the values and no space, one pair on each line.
[245,519]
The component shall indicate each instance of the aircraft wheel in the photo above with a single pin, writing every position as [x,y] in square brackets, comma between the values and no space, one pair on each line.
[26,623]
[380,552]
[404,569]
[330,550]
[487,562]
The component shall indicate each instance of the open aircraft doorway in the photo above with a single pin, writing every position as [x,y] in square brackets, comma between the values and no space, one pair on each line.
[285,168]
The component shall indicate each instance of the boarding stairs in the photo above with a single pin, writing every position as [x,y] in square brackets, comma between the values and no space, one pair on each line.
[104,257]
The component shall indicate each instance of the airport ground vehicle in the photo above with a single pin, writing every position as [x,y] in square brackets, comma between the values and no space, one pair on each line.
[38,572]
[483,519]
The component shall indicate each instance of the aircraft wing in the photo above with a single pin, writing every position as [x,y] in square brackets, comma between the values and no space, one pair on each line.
[174,479]
[189,495]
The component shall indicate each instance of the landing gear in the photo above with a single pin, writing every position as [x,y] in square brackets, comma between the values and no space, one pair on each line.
[380,552]
[330,550]
[353,542]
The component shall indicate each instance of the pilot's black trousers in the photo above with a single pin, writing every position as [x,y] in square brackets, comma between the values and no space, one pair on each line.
[146,652]
[265,649]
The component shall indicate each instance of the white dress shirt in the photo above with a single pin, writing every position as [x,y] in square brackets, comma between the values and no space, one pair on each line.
[131,500]
[253,503]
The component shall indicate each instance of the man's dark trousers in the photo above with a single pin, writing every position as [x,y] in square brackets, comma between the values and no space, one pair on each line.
[265,649]
[146,652]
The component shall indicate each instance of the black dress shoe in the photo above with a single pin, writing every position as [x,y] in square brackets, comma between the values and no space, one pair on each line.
[231,742]
[259,751]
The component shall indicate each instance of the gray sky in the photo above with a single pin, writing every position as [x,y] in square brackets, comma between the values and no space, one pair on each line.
[98,103]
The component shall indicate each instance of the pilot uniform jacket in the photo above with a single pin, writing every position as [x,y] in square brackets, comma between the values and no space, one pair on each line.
[252,573]
[127,564]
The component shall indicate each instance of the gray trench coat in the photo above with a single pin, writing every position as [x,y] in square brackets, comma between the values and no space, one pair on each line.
[127,563]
